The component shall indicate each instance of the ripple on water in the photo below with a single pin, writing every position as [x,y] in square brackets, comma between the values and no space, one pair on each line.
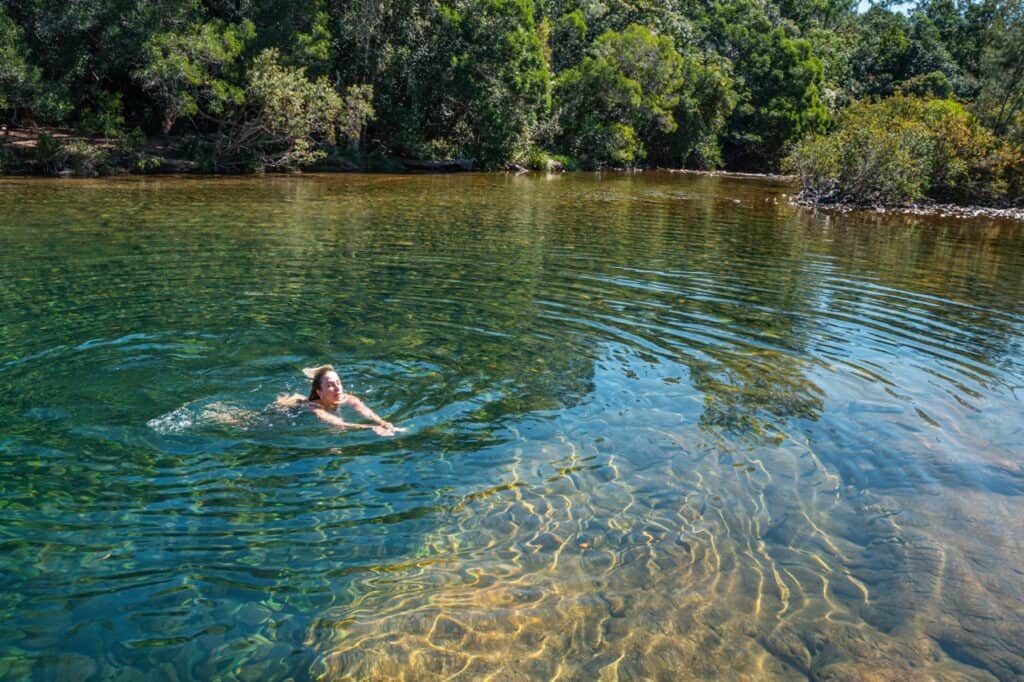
[654,432]
[705,555]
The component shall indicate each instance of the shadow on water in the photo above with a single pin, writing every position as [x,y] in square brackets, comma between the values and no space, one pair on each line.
[659,426]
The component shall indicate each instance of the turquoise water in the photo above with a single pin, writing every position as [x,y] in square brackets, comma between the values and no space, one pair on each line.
[658,426]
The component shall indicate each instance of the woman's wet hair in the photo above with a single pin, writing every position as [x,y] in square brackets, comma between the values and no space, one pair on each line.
[317,375]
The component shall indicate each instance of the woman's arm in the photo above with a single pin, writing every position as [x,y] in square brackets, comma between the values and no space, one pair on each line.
[335,420]
[360,407]
[383,427]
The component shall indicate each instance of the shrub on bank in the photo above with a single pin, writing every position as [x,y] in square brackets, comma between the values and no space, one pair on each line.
[903,149]
[56,154]
[539,159]
[75,157]
[282,120]
[8,161]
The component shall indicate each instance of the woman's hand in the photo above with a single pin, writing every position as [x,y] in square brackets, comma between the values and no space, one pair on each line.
[387,429]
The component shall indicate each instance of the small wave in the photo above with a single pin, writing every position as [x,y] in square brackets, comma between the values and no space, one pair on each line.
[176,421]
[194,415]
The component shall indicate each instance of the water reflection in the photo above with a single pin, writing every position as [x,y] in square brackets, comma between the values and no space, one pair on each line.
[658,426]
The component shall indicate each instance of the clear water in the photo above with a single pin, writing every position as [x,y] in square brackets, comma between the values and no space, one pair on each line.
[659,426]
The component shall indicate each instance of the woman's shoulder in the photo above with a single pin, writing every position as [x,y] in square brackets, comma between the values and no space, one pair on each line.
[293,400]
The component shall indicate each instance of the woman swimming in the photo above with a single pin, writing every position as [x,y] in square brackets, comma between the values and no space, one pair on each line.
[327,396]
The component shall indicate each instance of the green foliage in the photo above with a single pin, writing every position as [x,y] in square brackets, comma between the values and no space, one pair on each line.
[901,150]
[881,58]
[195,72]
[302,31]
[778,82]
[934,84]
[569,37]
[707,98]
[566,162]
[19,80]
[313,46]
[107,118]
[703,84]
[8,160]
[929,52]
[284,116]
[866,160]
[356,112]
[1001,100]
[465,79]
[87,47]
[50,156]
[496,81]
[624,91]
[596,97]
[827,14]
[968,162]
[144,162]
[77,157]
[834,49]
[540,159]
[87,160]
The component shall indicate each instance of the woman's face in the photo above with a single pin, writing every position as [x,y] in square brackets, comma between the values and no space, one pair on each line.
[330,389]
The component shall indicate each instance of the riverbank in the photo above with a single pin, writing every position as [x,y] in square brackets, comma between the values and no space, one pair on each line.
[50,151]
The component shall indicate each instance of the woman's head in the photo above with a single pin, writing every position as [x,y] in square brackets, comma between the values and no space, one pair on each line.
[326,384]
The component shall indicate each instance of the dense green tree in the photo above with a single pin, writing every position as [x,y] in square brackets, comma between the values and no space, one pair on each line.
[569,37]
[196,72]
[970,42]
[825,14]
[672,18]
[778,82]
[391,47]
[86,50]
[596,98]
[675,82]
[706,100]
[914,53]
[300,30]
[496,80]
[1001,97]
[474,82]
[19,80]
[881,58]
[929,53]
[282,116]
[620,95]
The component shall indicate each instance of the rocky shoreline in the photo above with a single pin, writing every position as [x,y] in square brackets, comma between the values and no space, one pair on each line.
[924,209]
